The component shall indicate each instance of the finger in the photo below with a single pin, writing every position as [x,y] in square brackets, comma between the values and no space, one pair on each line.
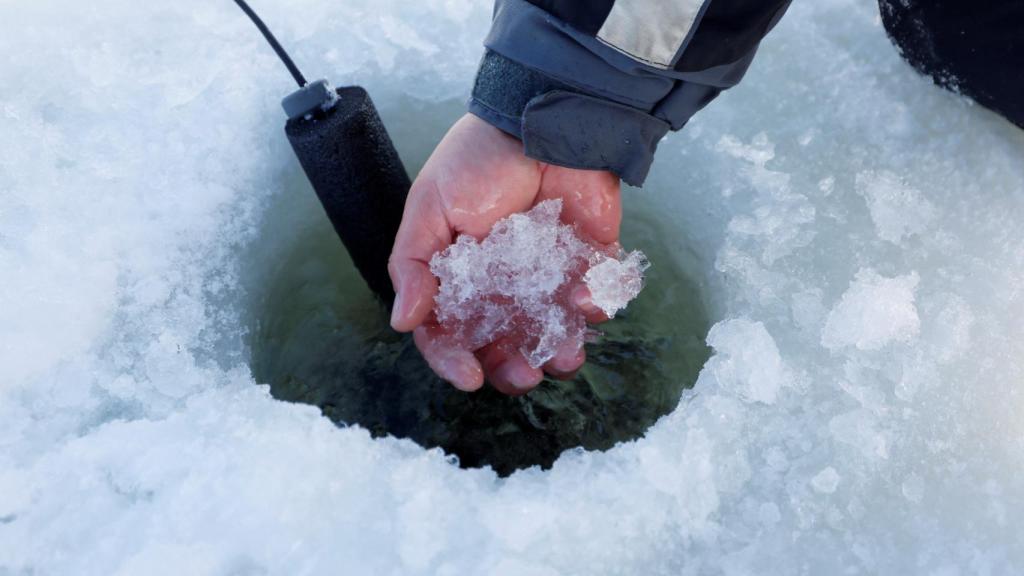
[590,198]
[456,365]
[507,370]
[423,232]
[568,359]
[582,300]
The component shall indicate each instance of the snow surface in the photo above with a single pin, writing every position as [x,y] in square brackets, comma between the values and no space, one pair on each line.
[856,229]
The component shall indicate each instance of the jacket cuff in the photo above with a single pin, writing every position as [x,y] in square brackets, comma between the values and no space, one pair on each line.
[562,125]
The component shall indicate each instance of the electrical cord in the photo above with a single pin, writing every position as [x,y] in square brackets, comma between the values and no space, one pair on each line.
[292,68]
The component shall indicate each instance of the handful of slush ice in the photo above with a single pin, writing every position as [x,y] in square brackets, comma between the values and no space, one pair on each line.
[516,284]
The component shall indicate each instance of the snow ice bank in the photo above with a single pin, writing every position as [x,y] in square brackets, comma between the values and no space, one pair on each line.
[857,230]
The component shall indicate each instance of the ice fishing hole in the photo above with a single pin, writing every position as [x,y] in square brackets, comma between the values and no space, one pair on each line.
[318,336]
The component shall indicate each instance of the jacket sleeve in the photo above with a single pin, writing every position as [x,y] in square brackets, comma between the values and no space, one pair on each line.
[597,84]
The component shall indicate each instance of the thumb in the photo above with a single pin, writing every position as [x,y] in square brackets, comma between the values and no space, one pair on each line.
[423,232]
[415,288]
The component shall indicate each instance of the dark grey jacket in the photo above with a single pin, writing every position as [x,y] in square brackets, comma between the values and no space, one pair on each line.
[596,84]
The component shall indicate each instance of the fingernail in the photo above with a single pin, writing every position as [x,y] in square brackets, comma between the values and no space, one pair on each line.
[564,376]
[581,298]
[459,373]
[515,376]
[568,365]
[396,309]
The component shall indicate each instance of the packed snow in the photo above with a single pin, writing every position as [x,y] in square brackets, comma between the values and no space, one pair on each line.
[856,230]
[516,285]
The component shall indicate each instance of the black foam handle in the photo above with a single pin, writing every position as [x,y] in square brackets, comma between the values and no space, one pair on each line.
[360,180]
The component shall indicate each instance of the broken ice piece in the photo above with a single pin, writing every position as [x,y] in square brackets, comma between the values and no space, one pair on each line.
[614,283]
[514,286]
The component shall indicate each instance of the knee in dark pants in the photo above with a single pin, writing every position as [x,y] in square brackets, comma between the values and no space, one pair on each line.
[974,47]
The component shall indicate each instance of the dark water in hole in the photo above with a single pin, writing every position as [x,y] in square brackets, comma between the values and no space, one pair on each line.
[321,338]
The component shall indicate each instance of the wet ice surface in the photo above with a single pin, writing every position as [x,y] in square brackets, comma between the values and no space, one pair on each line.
[515,286]
[859,234]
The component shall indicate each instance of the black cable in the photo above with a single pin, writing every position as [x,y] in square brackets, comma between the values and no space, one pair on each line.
[292,68]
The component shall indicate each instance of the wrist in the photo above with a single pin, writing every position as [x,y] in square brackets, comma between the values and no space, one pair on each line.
[560,125]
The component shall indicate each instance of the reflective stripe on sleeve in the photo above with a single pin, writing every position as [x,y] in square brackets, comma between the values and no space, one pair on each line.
[650,31]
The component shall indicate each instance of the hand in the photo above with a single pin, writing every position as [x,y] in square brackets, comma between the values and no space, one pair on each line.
[476,176]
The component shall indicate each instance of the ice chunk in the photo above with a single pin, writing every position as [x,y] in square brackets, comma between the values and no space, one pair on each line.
[826,481]
[614,283]
[874,312]
[515,285]
[747,361]
[913,488]
[897,209]
[758,152]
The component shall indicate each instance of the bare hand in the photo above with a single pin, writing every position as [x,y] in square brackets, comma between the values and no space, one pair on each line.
[477,176]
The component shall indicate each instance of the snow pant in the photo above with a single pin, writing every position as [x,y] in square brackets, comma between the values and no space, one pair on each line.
[974,47]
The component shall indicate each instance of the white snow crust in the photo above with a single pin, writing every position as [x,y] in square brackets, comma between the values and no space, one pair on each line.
[862,414]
